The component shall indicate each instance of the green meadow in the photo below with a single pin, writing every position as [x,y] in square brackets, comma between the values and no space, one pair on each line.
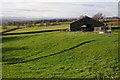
[31,29]
[60,54]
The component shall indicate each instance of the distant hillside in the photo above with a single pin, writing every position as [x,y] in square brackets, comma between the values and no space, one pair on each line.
[19,18]
[26,19]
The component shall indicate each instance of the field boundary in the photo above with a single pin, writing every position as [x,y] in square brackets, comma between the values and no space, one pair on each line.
[12,29]
[115,27]
[54,53]
[34,32]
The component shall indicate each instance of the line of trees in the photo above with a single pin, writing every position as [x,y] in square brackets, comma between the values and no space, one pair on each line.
[33,23]
[51,22]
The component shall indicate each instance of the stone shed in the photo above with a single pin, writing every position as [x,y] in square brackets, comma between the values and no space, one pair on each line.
[89,23]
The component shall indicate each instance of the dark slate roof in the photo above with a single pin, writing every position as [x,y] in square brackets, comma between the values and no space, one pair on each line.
[87,20]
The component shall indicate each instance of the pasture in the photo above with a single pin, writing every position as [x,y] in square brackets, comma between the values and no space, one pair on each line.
[60,55]
[31,29]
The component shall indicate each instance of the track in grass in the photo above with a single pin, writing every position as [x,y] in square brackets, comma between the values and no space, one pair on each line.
[54,53]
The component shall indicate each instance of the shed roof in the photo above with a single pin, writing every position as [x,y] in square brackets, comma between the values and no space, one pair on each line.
[87,20]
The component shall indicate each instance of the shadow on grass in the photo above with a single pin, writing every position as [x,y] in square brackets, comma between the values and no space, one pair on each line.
[115,27]
[54,53]
[12,60]
[13,48]
[7,39]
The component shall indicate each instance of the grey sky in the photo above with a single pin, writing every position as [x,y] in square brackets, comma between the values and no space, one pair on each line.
[39,9]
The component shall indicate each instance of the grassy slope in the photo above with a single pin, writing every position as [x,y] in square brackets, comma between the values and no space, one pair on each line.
[30,29]
[96,58]
[10,27]
[64,25]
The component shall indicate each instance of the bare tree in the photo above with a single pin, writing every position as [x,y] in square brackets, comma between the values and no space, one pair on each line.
[81,16]
[4,25]
[98,16]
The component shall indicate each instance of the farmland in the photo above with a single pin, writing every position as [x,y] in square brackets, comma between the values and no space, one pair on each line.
[59,40]
[31,29]
[60,54]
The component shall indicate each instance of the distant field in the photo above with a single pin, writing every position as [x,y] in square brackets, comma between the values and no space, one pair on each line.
[60,55]
[30,29]
[10,27]
[42,28]
[116,26]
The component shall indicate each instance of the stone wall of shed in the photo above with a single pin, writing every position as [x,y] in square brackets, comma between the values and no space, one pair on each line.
[76,26]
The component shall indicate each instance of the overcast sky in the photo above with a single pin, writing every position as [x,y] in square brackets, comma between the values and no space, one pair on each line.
[58,8]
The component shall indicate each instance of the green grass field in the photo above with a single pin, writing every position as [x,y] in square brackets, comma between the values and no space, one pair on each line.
[60,55]
[10,27]
[31,29]
[36,28]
